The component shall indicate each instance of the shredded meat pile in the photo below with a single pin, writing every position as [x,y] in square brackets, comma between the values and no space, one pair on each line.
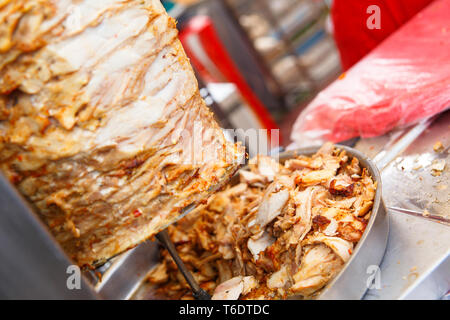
[284,230]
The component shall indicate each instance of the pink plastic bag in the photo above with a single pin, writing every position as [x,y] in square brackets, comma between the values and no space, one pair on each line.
[405,79]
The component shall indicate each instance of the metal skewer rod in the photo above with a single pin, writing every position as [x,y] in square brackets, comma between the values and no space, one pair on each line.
[198,292]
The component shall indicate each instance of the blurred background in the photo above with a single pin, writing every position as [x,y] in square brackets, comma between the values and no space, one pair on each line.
[259,62]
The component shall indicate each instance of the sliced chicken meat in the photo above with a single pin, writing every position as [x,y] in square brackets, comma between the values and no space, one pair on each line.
[267,167]
[303,215]
[272,203]
[319,265]
[252,179]
[279,279]
[304,162]
[342,248]
[102,126]
[291,235]
[261,243]
[233,288]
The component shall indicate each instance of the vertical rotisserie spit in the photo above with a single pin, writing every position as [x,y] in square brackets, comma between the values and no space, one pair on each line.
[102,127]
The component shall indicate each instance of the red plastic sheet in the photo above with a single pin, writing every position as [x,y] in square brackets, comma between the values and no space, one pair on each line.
[405,79]
[353,39]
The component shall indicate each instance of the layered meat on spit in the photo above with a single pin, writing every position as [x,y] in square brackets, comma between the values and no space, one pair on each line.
[284,230]
[102,127]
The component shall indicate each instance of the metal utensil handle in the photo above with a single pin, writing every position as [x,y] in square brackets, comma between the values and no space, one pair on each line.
[198,292]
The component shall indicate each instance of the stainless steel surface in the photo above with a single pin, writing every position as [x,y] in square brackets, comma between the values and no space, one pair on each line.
[351,283]
[416,264]
[419,214]
[407,176]
[198,292]
[417,258]
[127,271]
[32,265]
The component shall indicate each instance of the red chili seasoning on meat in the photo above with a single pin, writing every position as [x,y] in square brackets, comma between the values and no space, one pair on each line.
[137,213]
[340,190]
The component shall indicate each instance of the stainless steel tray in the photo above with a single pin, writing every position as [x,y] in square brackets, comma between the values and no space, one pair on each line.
[125,278]
[356,276]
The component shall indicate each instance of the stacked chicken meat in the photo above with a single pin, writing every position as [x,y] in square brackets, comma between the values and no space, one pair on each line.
[102,126]
[284,230]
